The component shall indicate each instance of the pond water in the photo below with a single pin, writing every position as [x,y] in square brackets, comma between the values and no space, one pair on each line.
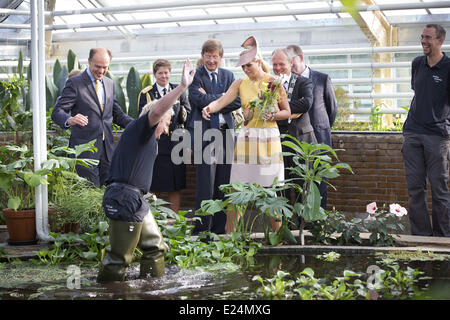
[26,280]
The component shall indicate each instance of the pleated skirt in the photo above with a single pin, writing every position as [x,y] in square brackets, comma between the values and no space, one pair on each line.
[257,156]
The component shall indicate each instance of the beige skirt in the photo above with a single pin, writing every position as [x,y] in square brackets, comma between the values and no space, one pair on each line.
[257,156]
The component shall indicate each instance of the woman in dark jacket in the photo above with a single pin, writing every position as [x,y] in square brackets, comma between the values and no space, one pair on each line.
[167,176]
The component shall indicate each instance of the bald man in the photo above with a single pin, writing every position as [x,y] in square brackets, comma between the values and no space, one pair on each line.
[88,106]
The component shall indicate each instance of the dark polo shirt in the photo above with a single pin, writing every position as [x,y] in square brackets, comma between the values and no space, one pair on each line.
[134,156]
[430,108]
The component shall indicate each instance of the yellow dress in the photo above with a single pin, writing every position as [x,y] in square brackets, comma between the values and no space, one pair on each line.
[257,153]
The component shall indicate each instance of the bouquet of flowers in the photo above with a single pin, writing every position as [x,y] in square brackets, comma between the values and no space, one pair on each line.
[266,101]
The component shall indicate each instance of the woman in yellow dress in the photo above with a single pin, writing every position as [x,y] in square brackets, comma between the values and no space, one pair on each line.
[257,153]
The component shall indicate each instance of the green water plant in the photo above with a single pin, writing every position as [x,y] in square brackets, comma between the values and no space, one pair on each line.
[329,256]
[314,164]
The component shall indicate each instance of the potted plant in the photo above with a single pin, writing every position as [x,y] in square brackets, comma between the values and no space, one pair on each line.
[78,207]
[18,181]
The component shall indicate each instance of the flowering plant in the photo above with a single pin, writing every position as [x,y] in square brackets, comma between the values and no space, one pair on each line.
[266,100]
[381,222]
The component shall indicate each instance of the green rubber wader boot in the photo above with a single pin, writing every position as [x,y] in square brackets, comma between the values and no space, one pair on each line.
[153,247]
[123,239]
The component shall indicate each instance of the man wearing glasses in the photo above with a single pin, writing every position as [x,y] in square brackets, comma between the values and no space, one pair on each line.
[210,83]
[426,135]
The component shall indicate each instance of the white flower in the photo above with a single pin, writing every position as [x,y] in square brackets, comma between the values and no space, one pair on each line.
[371,208]
[397,209]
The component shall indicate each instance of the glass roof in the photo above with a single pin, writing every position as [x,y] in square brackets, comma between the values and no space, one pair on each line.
[141,15]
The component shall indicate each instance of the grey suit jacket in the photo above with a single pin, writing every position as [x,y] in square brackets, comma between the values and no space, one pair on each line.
[79,96]
[324,108]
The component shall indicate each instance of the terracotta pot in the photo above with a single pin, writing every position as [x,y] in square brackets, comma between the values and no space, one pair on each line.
[21,226]
[71,227]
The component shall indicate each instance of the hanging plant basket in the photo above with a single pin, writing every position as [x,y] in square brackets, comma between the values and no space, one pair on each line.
[21,226]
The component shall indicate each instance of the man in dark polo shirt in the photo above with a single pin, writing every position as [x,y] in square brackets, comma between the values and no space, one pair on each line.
[426,134]
[131,223]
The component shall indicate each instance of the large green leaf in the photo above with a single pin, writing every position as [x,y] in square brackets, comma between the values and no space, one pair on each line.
[61,81]
[210,207]
[20,64]
[57,67]
[34,179]
[133,89]
[118,91]
[14,203]
[146,80]
[311,209]
[51,93]
[72,60]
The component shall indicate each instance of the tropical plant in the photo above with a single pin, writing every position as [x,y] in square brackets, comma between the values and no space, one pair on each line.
[13,115]
[242,197]
[186,252]
[18,179]
[335,229]
[382,223]
[313,165]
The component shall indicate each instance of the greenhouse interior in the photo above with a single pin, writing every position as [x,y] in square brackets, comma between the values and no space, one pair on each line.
[357,240]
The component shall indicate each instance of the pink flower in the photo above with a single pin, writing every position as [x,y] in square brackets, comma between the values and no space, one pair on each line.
[397,209]
[371,208]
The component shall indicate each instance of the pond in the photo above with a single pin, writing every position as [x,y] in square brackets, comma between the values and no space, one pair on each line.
[25,280]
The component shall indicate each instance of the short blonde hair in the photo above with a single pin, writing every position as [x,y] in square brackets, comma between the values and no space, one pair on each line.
[147,107]
[150,105]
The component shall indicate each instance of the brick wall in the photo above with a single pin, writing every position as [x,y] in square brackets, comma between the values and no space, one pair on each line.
[377,164]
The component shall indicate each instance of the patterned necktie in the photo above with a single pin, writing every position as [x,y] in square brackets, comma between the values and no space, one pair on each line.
[213,82]
[164,92]
[99,93]
[100,98]
[285,85]
[214,118]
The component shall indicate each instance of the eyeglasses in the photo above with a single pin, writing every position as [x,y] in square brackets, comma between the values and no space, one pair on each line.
[211,57]
[428,38]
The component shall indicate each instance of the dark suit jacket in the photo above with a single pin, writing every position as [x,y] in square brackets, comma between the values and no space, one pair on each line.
[301,101]
[324,108]
[199,100]
[165,144]
[79,96]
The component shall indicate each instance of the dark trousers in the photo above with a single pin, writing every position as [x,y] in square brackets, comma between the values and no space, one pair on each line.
[209,178]
[427,156]
[97,174]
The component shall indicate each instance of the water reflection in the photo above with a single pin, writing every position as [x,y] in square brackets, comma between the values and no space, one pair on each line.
[225,281]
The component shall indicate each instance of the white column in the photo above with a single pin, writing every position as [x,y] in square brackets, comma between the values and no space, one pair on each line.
[39,112]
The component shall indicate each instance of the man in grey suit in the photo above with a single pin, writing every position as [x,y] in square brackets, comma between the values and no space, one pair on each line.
[87,105]
[209,84]
[300,97]
[324,108]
